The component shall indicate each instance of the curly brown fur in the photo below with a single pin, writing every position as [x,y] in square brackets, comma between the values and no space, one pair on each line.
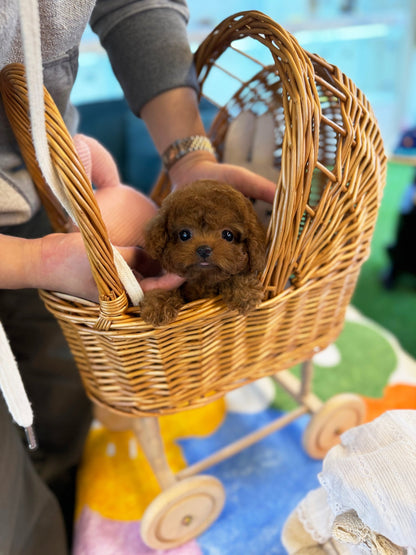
[208,233]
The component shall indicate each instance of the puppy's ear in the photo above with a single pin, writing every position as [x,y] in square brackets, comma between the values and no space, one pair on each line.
[156,236]
[256,243]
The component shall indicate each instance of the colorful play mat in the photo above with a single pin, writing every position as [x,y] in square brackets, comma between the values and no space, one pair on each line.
[264,482]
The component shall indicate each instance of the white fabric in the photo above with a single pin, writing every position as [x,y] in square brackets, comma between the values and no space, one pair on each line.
[12,386]
[62,25]
[316,516]
[29,14]
[15,207]
[307,530]
[371,474]
[373,471]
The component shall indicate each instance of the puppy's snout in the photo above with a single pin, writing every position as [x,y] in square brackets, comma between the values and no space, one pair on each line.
[204,251]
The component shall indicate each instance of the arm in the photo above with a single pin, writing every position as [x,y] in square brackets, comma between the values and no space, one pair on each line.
[147,46]
[59,262]
[151,58]
[46,263]
[175,114]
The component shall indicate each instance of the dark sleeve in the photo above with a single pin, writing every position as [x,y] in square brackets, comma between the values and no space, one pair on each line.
[147,44]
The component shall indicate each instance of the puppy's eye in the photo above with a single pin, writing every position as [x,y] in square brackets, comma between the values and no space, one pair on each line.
[228,235]
[184,234]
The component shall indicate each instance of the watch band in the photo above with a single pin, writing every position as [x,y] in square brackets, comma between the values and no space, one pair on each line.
[178,149]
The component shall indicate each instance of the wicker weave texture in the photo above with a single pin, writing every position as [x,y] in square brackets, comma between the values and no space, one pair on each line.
[208,350]
[331,166]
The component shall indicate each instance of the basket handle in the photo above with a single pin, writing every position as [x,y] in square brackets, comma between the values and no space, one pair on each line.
[76,185]
[302,113]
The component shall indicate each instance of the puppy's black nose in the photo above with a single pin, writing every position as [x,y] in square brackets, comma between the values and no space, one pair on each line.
[204,251]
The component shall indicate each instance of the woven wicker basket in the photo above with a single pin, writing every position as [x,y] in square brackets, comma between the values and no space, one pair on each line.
[331,163]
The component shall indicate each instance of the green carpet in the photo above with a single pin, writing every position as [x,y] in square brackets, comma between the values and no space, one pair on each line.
[394,309]
[361,361]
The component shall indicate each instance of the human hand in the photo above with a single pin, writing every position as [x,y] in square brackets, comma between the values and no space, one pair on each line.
[125,210]
[248,159]
[60,263]
[174,114]
[200,165]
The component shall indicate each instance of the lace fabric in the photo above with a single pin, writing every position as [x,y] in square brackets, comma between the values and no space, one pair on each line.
[316,516]
[367,502]
[373,471]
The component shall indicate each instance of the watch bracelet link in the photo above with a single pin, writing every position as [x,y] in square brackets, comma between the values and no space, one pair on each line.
[180,148]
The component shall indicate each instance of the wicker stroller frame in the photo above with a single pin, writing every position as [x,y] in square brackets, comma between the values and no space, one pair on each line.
[332,168]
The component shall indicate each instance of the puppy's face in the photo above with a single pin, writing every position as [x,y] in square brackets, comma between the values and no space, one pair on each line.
[213,247]
[204,231]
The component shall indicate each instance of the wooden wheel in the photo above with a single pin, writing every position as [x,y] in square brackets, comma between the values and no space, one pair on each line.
[182,512]
[338,414]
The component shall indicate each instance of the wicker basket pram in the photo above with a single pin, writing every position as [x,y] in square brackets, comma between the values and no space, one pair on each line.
[331,168]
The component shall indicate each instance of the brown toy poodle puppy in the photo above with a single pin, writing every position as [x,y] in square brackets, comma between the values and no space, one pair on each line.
[208,233]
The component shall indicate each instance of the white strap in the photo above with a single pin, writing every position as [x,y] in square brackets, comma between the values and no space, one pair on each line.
[128,279]
[13,389]
[30,24]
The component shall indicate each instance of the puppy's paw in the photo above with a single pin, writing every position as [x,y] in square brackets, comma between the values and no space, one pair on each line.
[247,303]
[160,307]
[243,294]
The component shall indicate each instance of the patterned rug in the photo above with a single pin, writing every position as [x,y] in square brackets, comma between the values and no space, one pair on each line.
[264,482]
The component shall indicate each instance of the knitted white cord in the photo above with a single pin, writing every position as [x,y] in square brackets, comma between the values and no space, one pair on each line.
[30,25]
[29,17]
[13,389]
